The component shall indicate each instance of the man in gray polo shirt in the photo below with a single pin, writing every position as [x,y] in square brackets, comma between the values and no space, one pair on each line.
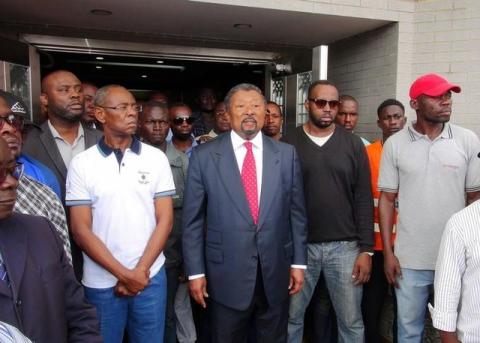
[434,167]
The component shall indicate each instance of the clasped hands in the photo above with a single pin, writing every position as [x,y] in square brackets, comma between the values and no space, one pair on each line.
[132,282]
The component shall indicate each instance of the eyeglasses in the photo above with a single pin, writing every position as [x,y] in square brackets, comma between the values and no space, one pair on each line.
[321,103]
[16,171]
[181,120]
[13,120]
[123,108]
[155,122]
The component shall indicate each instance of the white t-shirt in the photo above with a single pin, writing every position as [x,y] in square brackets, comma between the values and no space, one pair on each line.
[121,195]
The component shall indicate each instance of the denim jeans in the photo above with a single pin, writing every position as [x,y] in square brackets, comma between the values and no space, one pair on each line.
[142,315]
[412,297]
[335,260]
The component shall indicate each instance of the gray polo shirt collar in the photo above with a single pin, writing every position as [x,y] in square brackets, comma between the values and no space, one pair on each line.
[415,135]
[56,135]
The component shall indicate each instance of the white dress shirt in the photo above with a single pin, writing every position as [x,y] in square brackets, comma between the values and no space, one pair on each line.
[240,151]
[457,277]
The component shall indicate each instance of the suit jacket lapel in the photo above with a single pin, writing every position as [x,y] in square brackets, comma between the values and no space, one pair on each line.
[270,178]
[51,148]
[13,244]
[227,167]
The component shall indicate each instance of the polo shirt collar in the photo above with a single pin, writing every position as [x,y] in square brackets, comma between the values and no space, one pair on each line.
[107,150]
[55,134]
[415,135]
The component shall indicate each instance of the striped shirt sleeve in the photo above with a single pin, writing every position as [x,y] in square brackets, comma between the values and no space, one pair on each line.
[448,280]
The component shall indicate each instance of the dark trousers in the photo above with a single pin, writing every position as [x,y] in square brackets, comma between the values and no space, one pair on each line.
[374,294]
[172,284]
[234,326]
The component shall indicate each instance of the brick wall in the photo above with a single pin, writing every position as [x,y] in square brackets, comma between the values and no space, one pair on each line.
[365,66]
[446,40]
[441,36]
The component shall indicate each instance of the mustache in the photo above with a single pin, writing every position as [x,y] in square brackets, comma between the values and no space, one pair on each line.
[249,120]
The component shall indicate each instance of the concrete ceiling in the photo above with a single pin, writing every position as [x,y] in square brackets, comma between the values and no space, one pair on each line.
[181,21]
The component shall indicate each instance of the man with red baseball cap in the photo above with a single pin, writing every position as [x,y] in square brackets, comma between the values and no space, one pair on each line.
[434,169]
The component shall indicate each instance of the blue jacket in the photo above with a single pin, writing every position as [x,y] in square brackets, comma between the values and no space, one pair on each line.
[220,238]
[40,172]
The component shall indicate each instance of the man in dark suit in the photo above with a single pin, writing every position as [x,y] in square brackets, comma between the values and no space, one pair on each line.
[62,136]
[246,191]
[38,291]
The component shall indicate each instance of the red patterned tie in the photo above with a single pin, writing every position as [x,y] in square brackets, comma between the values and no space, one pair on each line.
[249,180]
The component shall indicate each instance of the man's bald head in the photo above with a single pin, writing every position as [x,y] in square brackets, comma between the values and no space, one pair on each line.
[51,77]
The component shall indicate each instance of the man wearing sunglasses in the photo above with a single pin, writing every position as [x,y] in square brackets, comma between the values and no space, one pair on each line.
[181,124]
[119,193]
[339,203]
[34,194]
[39,294]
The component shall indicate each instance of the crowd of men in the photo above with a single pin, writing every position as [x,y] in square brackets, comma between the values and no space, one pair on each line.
[154,221]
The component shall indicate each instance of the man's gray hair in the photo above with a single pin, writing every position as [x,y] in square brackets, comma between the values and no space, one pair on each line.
[102,93]
[241,87]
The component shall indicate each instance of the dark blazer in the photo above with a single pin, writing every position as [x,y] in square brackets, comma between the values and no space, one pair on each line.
[41,145]
[230,250]
[44,301]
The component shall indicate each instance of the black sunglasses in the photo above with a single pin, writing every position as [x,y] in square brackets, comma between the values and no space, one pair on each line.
[180,120]
[321,103]
[13,120]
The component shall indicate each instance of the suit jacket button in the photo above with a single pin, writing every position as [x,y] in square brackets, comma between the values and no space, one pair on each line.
[18,302]
[254,257]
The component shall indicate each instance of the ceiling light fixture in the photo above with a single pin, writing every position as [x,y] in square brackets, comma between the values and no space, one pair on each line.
[100,58]
[99,11]
[144,76]
[160,62]
[137,65]
[98,67]
[242,26]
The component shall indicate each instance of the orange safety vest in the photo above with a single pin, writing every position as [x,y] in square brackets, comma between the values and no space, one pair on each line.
[374,152]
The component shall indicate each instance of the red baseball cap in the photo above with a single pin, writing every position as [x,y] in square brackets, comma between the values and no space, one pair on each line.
[432,85]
